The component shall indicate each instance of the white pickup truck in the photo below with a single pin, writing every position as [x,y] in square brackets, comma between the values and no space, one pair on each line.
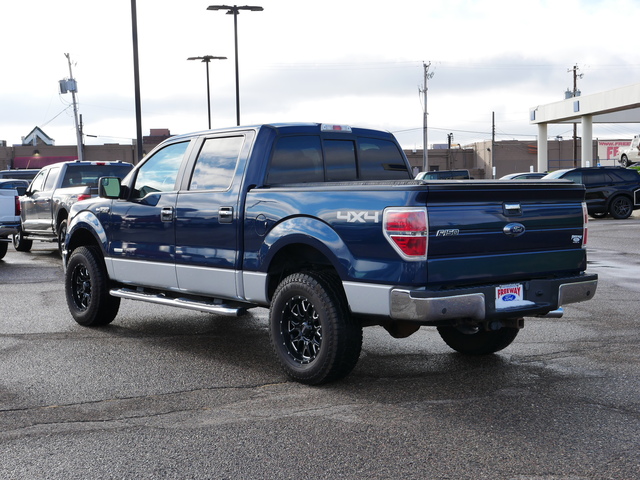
[631,154]
[10,190]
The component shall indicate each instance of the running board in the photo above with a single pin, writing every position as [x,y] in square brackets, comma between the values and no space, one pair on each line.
[187,303]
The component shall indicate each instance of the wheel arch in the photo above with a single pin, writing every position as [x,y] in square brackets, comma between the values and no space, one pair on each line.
[617,195]
[85,230]
[62,214]
[302,244]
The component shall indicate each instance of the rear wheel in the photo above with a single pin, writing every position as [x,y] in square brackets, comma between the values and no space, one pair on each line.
[476,341]
[312,333]
[20,243]
[621,207]
[87,289]
[3,249]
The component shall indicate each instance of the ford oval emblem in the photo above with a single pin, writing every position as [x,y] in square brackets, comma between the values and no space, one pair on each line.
[513,229]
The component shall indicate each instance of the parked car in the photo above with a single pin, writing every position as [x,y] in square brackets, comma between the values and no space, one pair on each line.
[10,190]
[613,190]
[24,173]
[630,154]
[444,175]
[45,205]
[524,176]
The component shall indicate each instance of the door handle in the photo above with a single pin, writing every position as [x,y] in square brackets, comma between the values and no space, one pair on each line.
[166,214]
[225,215]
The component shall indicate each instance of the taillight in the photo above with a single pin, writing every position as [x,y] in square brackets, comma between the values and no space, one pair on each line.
[407,230]
[84,196]
[585,223]
[17,207]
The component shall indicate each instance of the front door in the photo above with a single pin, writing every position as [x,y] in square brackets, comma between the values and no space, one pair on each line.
[142,246]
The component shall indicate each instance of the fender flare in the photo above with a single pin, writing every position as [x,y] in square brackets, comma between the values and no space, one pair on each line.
[88,222]
[306,231]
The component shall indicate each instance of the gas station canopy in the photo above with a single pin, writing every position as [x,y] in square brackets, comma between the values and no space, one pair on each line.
[621,105]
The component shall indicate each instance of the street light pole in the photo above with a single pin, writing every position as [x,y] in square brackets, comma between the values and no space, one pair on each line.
[136,81]
[235,10]
[206,59]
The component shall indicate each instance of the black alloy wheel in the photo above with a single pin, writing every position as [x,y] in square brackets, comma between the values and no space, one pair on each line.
[87,289]
[312,332]
[621,207]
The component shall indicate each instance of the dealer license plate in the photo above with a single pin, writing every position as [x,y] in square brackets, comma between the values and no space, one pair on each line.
[509,296]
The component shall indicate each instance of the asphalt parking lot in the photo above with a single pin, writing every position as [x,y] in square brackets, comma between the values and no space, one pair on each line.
[167,393]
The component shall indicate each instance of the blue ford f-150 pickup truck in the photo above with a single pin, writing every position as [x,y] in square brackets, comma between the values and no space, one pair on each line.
[324,225]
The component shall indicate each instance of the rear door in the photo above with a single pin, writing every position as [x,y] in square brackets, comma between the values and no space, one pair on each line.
[37,204]
[209,216]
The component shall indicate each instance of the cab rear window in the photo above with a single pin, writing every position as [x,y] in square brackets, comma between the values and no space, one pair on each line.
[308,158]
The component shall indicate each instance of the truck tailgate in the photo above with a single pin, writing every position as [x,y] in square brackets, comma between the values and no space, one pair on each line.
[504,230]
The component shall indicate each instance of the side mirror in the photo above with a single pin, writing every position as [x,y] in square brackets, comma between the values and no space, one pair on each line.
[109,187]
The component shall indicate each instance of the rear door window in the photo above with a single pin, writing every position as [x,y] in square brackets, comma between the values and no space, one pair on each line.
[216,163]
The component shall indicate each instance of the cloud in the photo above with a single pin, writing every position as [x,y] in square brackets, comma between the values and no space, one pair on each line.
[358,61]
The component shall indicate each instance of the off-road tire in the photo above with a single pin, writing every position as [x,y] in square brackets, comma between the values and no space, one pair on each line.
[312,332]
[62,234]
[86,287]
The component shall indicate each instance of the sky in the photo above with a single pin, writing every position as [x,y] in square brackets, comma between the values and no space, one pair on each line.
[355,62]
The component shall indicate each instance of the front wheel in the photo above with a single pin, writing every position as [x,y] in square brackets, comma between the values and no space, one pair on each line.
[312,333]
[621,207]
[20,243]
[86,287]
[62,235]
[624,161]
[477,341]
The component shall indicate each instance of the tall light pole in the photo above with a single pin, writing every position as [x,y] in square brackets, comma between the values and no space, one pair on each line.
[235,10]
[136,80]
[207,59]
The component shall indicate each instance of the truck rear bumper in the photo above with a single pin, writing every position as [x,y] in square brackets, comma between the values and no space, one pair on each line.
[479,303]
[8,228]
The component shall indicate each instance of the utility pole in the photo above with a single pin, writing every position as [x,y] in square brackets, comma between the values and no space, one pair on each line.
[576,93]
[425,149]
[72,86]
[449,162]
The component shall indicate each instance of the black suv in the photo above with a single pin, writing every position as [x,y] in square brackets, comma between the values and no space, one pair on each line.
[613,190]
